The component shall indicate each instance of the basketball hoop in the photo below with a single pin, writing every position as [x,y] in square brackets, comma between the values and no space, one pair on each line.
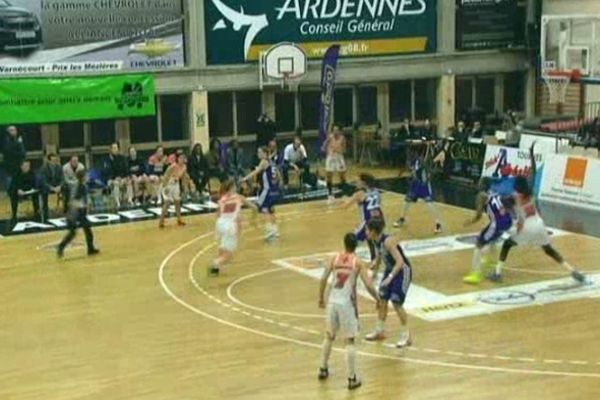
[283,65]
[290,83]
[557,82]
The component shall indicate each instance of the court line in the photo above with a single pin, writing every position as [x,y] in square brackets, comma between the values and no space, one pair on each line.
[266,310]
[207,315]
[454,353]
[413,348]
[447,352]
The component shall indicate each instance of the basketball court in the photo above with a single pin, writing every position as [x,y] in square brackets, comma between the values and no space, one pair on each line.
[143,320]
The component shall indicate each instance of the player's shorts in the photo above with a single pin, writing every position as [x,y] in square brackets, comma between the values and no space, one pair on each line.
[491,233]
[419,190]
[227,233]
[361,232]
[397,290]
[342,318]
[171,192]
[266,201]
[335,163]
[533,233]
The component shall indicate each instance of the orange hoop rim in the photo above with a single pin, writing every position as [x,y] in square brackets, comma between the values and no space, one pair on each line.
[574,75]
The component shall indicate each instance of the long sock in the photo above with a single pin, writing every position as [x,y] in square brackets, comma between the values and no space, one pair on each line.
[327,344]
[351,360]
[489,253]
[567,266]
[476,263]
[330,188]
[499,267]
[435,212]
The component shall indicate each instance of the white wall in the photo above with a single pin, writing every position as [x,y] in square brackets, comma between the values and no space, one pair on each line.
[580,7]
[559,7]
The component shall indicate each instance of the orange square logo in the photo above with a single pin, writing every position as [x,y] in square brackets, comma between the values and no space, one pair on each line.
[575,172]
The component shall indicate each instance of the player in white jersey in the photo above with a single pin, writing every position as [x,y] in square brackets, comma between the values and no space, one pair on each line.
[228,224]
[342,312]
[532,231]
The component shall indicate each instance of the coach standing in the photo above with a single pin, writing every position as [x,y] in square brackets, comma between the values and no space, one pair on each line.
[77,217]
[14,153]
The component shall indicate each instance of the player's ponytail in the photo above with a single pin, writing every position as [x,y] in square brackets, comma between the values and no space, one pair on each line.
[226,186]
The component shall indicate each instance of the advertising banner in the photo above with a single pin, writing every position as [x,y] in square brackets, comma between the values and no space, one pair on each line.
[543,144]
[465,160]
[237,31]
[490,24]
[572,181]
[65,36]
[500,160]
[74,99]
[328,71]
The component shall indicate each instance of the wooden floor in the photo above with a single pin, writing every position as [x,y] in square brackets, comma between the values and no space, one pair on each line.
[141,321]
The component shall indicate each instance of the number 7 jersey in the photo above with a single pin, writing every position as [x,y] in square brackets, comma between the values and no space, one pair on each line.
[345,273]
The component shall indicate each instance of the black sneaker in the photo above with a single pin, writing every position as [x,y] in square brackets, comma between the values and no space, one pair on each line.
[438,228]
[578,276]
[354,383]
[60,252]
[213,271]
[399,223]
[495,277]
[323,374]
[93,252]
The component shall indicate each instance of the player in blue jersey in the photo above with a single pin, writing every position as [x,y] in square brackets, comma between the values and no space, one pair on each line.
[420,188]
[394,284]
[268,193]
[368,200]
[497,209]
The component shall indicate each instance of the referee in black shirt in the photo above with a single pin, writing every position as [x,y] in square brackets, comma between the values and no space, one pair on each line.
[78,217]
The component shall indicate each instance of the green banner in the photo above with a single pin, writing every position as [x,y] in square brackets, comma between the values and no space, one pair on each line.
[237,31]
[75,99]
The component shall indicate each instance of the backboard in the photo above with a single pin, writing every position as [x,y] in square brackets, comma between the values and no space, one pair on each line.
[283,64]
[571,42]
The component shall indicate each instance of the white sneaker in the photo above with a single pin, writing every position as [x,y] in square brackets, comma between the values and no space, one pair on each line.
[404,341]
[375,336]
[330,200]
[270,236]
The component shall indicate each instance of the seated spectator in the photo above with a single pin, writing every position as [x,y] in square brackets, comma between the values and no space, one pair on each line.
[408,131]
[115,172]
[70,179]
[215,160]
[274,154]
[51,181]
[156,168]
[23,187]
[198,168]
[138,179]
[236,162]
[296,158]
[476,132]
[427,131]
[461,134]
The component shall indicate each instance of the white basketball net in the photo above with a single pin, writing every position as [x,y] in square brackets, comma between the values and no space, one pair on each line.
[290,84]
[557,87]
